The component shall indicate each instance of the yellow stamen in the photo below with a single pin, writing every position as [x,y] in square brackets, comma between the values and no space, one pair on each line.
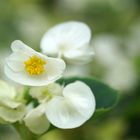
[35,65]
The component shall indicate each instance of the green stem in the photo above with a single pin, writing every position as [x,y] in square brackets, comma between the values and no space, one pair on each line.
[24,133]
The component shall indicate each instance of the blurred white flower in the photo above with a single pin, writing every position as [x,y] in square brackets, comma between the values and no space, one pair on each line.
[72,106]
[121,76]
[107,50]
[69,40]
[120,72]
[28,67]
[11,110]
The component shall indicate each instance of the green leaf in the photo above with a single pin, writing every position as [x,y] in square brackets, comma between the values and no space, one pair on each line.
[105,96]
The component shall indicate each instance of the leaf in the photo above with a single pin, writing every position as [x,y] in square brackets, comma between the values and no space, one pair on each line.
[105,96]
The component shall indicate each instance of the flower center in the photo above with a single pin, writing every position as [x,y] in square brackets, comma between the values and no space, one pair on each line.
[35,65]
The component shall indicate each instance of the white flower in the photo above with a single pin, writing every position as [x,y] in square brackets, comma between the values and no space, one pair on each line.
[69,40]
[120,73]
[11,110]
[28,67]
[72,106]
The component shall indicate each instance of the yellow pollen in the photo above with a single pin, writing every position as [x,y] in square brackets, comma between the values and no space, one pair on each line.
[35,65]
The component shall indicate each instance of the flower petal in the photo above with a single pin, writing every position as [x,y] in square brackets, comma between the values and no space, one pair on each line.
[79,56]
[36,120]
[10,110]
[15,65]
[54,70]
[21,52]
[19,46]
[6,90]
[55,67]
[74,109]
[65,36]
[12,115]
[81,97]
[44,93]
[9,103]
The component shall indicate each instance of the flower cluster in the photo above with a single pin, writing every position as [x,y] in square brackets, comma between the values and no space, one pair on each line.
[63,106]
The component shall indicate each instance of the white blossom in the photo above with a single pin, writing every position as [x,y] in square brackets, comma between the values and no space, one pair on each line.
[11,110]
[69,40]
[72,106]
[28,67]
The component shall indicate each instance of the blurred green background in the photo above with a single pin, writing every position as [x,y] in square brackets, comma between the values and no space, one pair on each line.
[115,25]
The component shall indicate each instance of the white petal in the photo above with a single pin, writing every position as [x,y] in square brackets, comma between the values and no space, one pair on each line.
[55,67]
[21,53]
[16,60]
[81,96]
[74,109]
[65,36]
[54,70]
[15,65]
[79,56]
[55,89]
[36,120]
[19,46]
[44,93]
[6,90]
[9,103]
[18,56]
[12,115]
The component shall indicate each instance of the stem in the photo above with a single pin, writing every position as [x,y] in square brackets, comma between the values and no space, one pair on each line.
[24,133]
